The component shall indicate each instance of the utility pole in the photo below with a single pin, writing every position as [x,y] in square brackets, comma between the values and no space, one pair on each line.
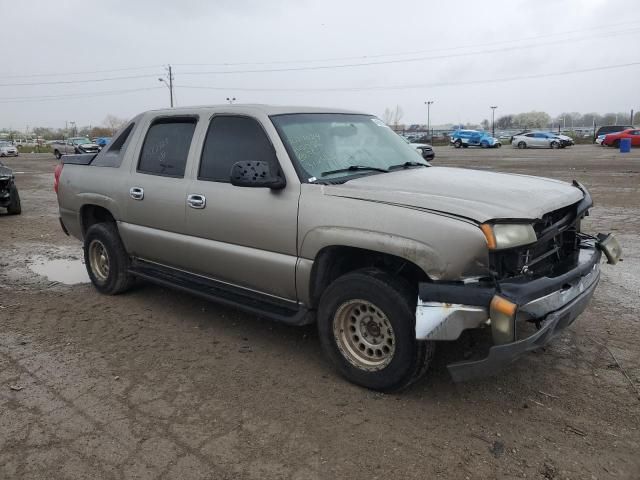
[493,120]
[168,83]
[631,118]
[428,104]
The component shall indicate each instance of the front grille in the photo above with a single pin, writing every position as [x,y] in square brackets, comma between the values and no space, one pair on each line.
[557,247]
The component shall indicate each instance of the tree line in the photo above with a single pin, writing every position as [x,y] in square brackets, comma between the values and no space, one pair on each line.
[564,120]
[108,128]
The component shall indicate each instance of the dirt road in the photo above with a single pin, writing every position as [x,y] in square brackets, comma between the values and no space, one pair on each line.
[159,384]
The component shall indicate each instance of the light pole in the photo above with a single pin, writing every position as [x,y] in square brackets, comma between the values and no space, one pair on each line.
[493,120]
[231,100]
[169,83]
[428,104]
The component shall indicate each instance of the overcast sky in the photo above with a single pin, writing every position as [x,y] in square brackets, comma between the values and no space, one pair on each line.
[448,52]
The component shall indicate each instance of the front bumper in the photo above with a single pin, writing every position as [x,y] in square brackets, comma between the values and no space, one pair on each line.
[551,303]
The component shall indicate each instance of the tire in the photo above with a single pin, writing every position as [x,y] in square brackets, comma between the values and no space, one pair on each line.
[554,145]
[616,144]
[457,143]
[498,145]
[388,301]
[484,145]
[106,259]
[522,145]
[14,207]
[57,154]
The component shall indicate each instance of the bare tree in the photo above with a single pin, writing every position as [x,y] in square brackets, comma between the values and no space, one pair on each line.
[387,117]
[398,113]
[113,123]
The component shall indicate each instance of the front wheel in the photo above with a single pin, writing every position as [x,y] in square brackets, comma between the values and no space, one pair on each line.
[14,208]
[366,324]
[555,145]
[57,154]
[106,259]
[457,143]
[616,144]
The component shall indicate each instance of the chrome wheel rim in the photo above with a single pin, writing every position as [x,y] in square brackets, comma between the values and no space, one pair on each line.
[364,335]
[99,260]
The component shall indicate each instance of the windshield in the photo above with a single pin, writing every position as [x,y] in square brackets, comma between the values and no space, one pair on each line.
[325,144]
[80,141]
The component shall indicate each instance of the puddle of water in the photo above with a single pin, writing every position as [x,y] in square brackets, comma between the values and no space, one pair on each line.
[69,272]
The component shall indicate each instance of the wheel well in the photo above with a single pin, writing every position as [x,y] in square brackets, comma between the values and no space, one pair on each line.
[333,262]
[92,214]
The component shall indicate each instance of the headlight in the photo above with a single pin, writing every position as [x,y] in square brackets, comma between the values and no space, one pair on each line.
[508,235]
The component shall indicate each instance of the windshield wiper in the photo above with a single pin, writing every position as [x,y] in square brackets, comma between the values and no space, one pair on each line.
[353,168]
[407,165]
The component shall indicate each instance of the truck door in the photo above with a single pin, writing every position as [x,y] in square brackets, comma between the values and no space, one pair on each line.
[241,235]
[156,192]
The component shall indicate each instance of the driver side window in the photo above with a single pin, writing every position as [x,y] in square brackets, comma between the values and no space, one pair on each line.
[231,139]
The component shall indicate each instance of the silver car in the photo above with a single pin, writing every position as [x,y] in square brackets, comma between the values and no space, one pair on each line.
[8,150]
[536,140]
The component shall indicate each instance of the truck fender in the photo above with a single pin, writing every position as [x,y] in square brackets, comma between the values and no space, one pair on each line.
[411,250]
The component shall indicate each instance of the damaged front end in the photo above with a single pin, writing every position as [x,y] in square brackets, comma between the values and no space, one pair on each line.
[534,291]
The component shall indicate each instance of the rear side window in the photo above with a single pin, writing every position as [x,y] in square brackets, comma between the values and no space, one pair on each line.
[232,139]
[114,152]
[166,146]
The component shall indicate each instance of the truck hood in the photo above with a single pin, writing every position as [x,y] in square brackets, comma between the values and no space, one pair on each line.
[472,194]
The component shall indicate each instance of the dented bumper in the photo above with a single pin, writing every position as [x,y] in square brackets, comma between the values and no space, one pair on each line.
[550,303]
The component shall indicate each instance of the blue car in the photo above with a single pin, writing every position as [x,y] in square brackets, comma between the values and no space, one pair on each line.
[473,138]
[102,141]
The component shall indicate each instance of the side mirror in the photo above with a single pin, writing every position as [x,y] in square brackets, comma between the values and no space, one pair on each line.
[255,174]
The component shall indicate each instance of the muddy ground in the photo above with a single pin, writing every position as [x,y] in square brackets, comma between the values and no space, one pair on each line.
[159,384]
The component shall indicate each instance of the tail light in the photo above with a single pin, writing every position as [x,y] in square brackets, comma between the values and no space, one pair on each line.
[56,176]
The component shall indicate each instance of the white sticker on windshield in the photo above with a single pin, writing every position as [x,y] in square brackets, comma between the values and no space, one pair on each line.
[379,122]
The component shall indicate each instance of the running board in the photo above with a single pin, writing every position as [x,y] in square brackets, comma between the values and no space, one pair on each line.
[223,293]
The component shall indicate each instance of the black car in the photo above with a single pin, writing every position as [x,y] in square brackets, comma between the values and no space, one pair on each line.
[9,197]
[606,129]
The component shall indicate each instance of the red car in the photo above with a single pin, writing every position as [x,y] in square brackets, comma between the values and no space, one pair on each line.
[613,139]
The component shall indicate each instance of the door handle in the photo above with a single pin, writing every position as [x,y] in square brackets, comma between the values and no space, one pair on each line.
[196,200]
[137,193]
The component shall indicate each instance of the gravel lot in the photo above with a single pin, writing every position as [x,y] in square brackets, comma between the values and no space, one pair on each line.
[160,384]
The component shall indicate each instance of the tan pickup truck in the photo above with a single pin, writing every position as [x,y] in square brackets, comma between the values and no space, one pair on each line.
[314,215]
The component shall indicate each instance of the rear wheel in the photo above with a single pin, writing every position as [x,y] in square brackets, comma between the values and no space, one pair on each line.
[366,323]
[522,145]
[14,208]
[106,260]
[484,145]
[57,154]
